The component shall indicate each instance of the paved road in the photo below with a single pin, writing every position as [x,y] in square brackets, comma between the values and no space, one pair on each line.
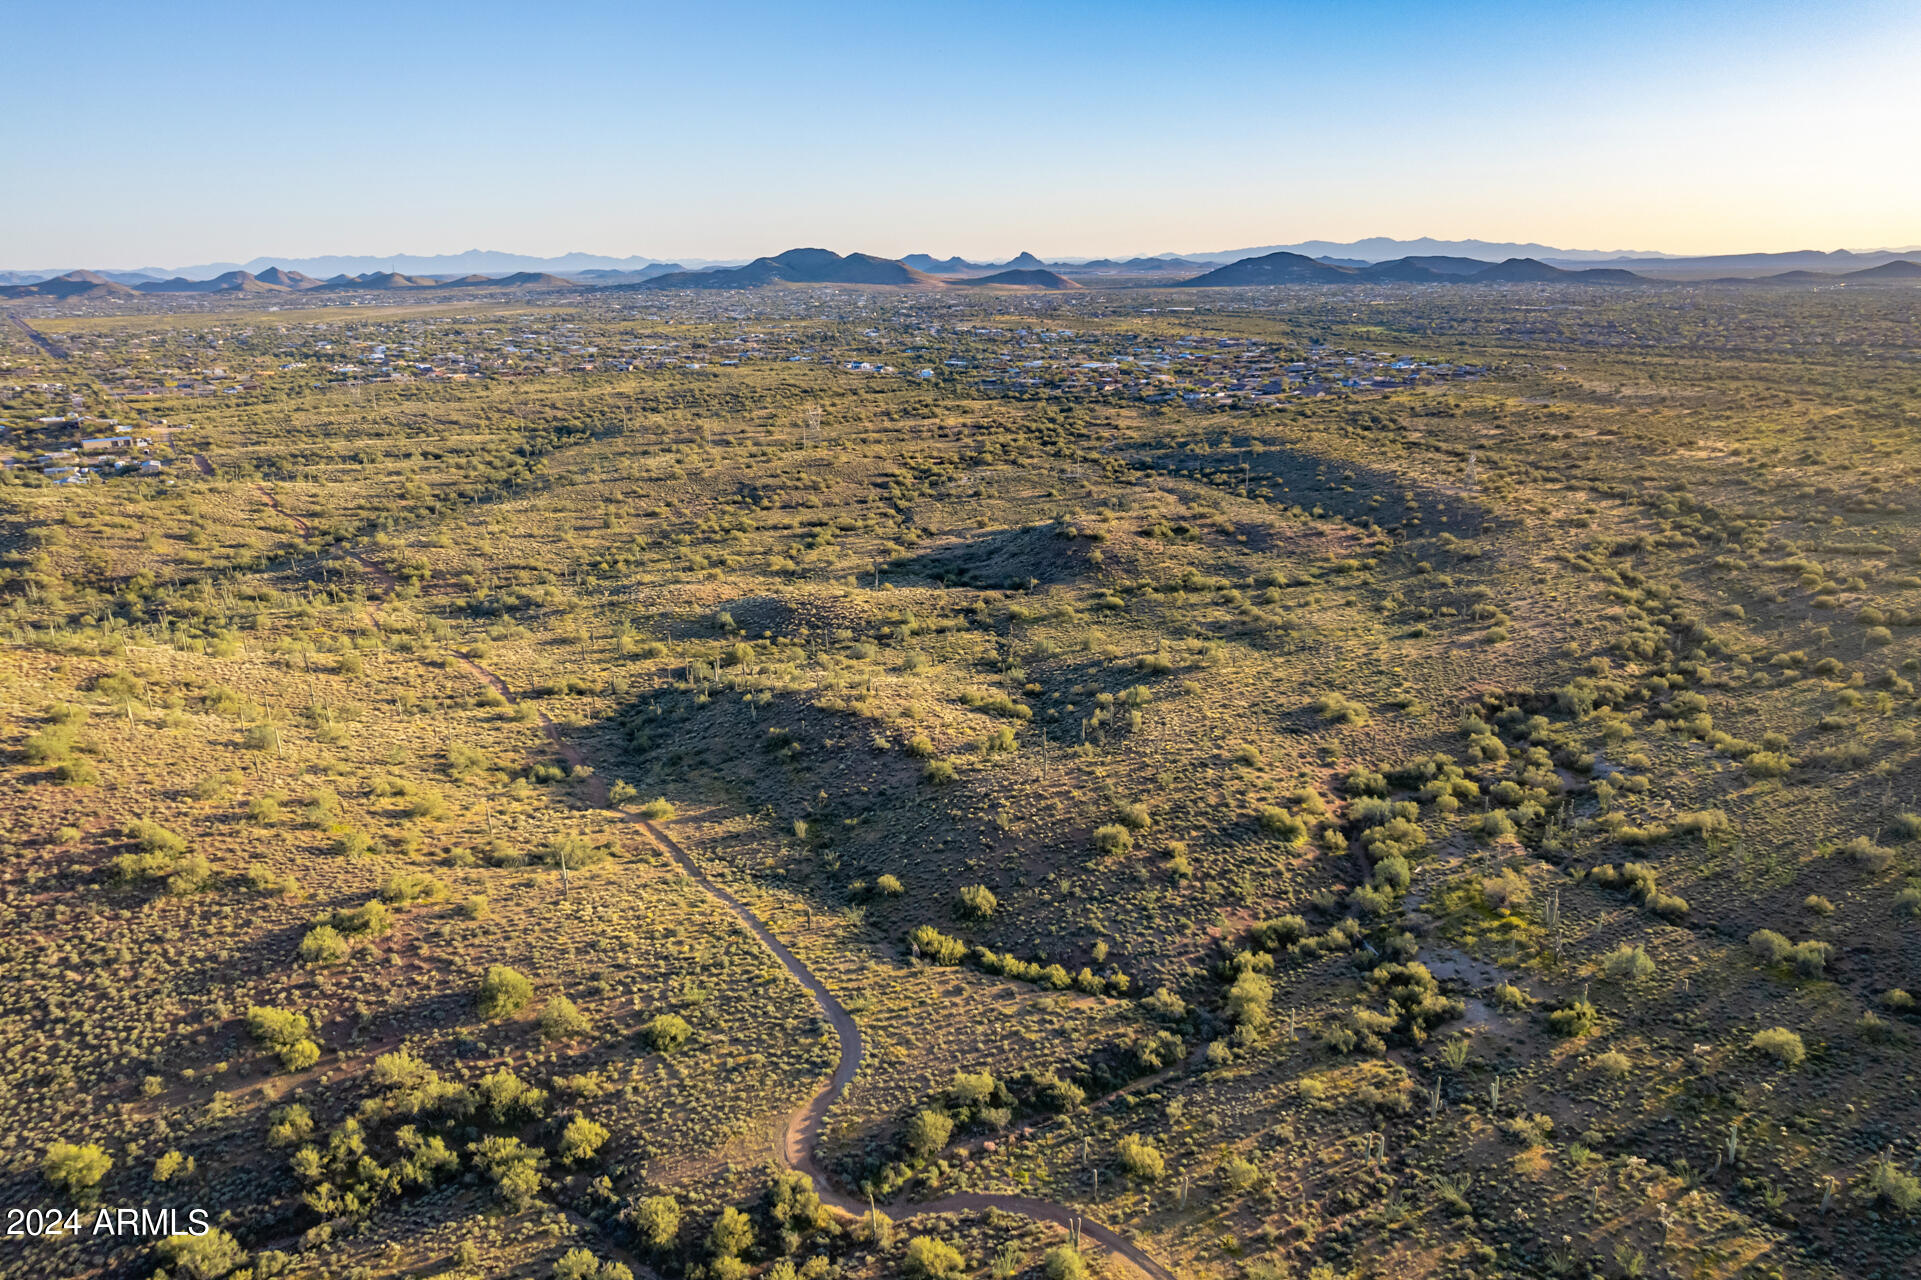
[40,339]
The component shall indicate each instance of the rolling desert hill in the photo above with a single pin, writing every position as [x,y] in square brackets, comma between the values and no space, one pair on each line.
[1293,268]
[797,266]
[1025,278]
[1273,268]
[226,282]
[1899,269]
[74,284]
[286,279]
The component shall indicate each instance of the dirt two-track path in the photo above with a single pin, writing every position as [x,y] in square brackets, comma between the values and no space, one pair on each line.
[805,1126]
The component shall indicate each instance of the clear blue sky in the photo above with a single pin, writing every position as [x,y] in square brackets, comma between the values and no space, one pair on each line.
[164,134]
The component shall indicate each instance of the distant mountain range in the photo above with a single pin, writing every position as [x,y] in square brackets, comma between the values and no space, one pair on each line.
[1733,265]
[93,284]
[796,266]
[824,266]
[1025,271]
[1020,278]
[587,268]
[1293,268]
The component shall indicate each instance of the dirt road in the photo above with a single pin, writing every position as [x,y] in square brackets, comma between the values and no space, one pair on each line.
[804,1127]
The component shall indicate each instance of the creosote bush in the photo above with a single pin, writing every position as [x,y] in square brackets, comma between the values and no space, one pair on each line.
[1782,1045]
[503,993]
[1140,1159]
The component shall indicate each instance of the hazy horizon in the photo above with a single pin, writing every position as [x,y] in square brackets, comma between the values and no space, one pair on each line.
[357,262]
[221,133]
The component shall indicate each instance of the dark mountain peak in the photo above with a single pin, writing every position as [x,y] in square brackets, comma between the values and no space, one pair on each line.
[1899,269]
[1447,265]
[1519,271]
[808,260]
[797,266]
[1534,271]
[531,280]
[939,266]
[1022,278]
[1399,271]
[1273,268]
[74,284]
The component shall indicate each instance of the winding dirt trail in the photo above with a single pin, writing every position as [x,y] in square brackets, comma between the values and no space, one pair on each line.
[386,580]
[804,1127]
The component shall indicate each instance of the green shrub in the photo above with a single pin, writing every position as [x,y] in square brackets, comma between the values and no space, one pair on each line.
[667,1032]
[576,1264]
[503,992]
[1337,709]
[370,919]
[203,1257]
[561,1019]
[1281,824]
[49,746]
[1278,934]
[508,1099]
[1810,959]
[1495,824]
[581,1140]
[1576,1019]
[732,1233]
[286,1033]
[977,901]
[1141,1160]
[512,1166]
[1631,964]
[1113,839]
[323,945]
[77,772]
[1249,999]
[75,1168]
[1239,1173]
[1867,855]
[928,1132]
[936,946]
[402,887]
[929,1258]
[1511,998]
[656,1220]
[288,1125]
[1887,1183]
[1064,1262]
[1782,1045]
